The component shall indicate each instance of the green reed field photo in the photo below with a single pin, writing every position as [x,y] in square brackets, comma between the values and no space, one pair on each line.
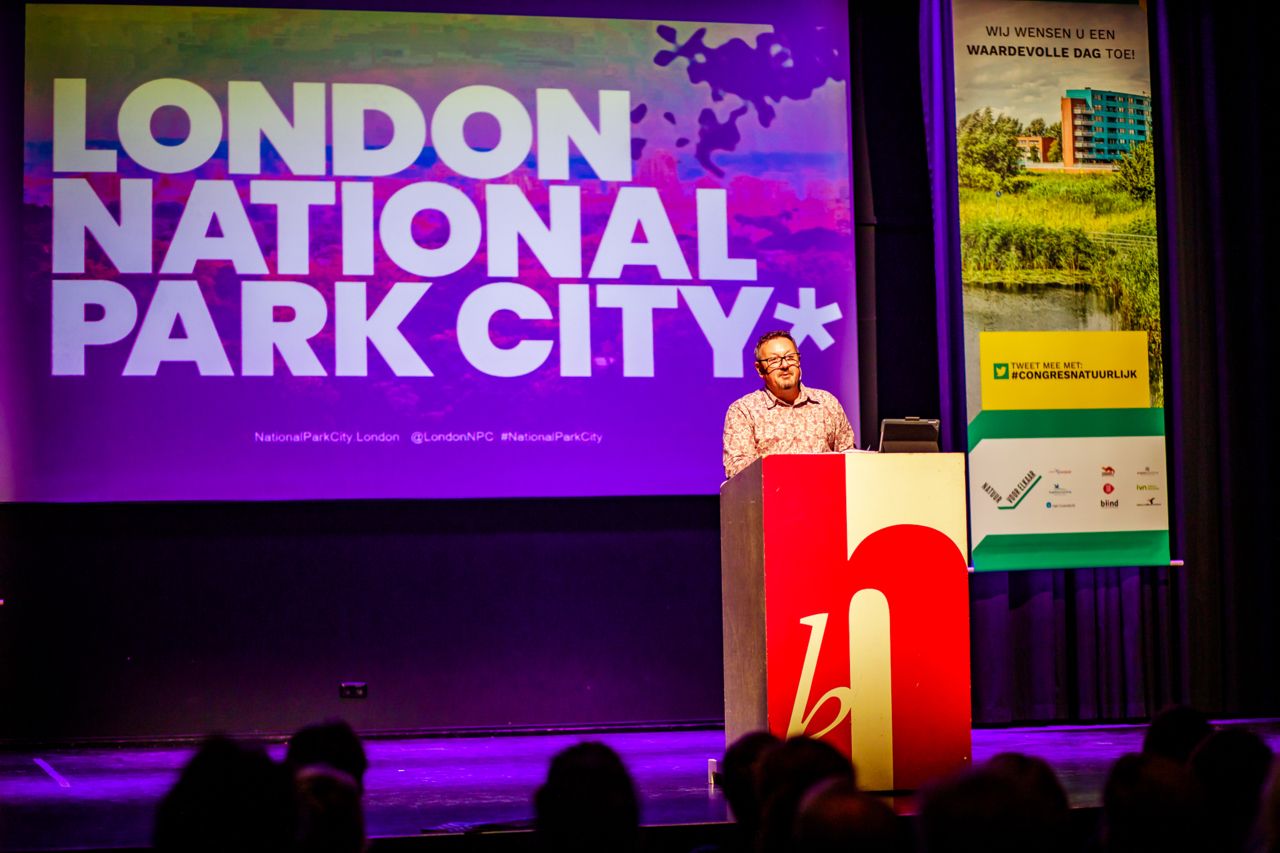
[1027,228]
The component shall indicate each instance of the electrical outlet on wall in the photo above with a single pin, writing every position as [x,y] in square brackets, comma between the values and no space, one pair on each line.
[353,690]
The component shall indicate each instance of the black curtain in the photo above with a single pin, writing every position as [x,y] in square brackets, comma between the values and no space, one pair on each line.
[1107,643]
[1218,227]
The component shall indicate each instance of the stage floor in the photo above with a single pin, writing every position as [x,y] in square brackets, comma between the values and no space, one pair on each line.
[59,799]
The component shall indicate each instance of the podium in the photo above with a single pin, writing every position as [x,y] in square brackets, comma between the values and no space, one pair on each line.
[845,596]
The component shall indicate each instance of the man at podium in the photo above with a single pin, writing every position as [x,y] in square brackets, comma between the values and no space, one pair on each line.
[784,416]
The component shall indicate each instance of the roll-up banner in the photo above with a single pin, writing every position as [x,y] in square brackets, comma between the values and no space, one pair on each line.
[1062,335]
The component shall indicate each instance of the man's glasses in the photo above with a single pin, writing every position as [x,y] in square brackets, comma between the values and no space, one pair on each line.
[776,361]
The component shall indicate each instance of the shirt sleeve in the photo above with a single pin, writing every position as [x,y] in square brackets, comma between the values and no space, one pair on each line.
[739,441]
[841,437]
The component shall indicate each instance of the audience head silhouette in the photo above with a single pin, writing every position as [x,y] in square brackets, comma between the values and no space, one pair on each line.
[834,817]
[1270,818]
[228,797]
[1150,804]
[786,773]
[330,819]
[332,743]
[1012,803]
[1041,794]
[739,777]
[1231,766]
[588,802]
[1175,732]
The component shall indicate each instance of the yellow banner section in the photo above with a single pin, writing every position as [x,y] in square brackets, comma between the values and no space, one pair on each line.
[1064,370]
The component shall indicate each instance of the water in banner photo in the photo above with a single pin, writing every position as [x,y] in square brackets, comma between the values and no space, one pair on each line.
[1062,334]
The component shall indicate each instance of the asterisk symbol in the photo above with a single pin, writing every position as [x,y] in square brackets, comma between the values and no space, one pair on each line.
[808,320]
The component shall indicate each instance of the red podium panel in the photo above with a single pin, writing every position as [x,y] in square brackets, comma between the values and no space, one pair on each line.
[846,608]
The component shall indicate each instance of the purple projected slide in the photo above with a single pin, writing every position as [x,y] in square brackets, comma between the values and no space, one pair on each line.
[292,254]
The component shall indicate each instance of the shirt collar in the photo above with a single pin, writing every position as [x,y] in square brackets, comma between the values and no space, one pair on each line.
[773,402]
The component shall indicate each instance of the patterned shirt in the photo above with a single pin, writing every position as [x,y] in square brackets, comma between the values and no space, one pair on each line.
[759,424]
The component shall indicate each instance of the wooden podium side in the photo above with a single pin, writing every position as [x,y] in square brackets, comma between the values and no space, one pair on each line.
[845,608]
[742,602]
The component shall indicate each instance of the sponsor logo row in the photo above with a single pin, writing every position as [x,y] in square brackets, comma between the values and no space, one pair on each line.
[1104,503]
[1110,471]
[1010,498]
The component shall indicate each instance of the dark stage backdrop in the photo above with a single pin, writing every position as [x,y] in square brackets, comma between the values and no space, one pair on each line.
[137,620]
[1222,191]
[152,620]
